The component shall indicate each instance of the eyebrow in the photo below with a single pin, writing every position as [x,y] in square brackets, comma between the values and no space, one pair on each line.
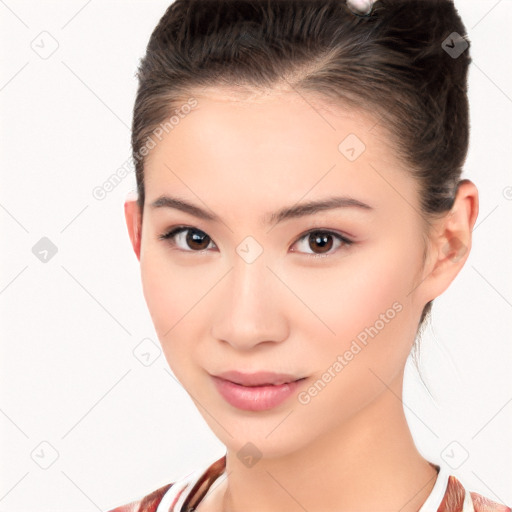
[290,212]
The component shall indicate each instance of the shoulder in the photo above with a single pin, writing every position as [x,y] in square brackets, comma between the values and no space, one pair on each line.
[148,503]
[458,499]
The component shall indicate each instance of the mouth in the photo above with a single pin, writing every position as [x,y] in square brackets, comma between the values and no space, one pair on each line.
[256,392]
[267,384]
[260,378]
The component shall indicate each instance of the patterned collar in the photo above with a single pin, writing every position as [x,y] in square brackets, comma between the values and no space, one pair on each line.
[183,495]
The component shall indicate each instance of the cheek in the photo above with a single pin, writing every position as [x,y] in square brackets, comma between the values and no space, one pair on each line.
[352,294]
[170,297]
[366,318]
[364,302]
[179,298]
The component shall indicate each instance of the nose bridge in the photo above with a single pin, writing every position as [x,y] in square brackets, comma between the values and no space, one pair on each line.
[250,280]
[251,312]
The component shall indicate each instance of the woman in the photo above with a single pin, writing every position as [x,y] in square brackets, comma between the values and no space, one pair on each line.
[299,208]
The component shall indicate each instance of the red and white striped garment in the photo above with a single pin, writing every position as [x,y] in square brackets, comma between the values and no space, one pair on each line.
[448,494]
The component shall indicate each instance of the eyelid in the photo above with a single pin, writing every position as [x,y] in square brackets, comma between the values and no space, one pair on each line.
[314,228]
[345,239]
[171,233]
[345,242]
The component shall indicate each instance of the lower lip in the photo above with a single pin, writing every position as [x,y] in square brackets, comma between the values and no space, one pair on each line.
[257,398]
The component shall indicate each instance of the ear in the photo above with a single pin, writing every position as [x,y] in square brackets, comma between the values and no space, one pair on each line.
[450,242]
[133,217]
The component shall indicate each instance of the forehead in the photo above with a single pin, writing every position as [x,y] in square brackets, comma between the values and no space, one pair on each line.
[274,144]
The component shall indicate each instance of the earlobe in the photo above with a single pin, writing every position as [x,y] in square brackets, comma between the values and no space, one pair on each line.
[133,222]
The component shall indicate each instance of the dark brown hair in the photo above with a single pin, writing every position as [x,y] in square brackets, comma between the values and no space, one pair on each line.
[394,62]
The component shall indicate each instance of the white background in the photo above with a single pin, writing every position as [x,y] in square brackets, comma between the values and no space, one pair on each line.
[69,378]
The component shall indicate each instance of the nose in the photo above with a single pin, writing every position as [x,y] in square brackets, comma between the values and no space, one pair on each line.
[251,309]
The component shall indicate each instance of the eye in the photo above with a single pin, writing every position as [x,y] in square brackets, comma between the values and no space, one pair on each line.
[191,239]
[322,240]
[196,240]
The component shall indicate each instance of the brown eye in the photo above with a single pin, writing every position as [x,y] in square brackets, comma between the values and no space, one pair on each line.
[188,239]
[197,239]
[321,242]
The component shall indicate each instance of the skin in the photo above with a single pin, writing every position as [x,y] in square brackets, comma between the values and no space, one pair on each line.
[350,447]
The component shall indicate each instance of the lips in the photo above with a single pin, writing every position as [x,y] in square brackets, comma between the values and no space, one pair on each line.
[262,378]
[259,391]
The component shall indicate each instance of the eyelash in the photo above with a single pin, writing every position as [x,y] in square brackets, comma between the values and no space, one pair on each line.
[168,237]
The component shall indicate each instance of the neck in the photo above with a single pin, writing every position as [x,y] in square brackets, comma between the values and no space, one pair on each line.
[369,463]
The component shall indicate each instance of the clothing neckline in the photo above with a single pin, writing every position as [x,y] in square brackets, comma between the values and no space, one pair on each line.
[434,499]
[187,492]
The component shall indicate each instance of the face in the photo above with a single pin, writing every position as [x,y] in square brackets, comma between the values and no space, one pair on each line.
[331,296]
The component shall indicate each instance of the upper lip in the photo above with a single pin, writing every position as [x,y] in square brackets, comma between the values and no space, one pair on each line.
[257,378]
